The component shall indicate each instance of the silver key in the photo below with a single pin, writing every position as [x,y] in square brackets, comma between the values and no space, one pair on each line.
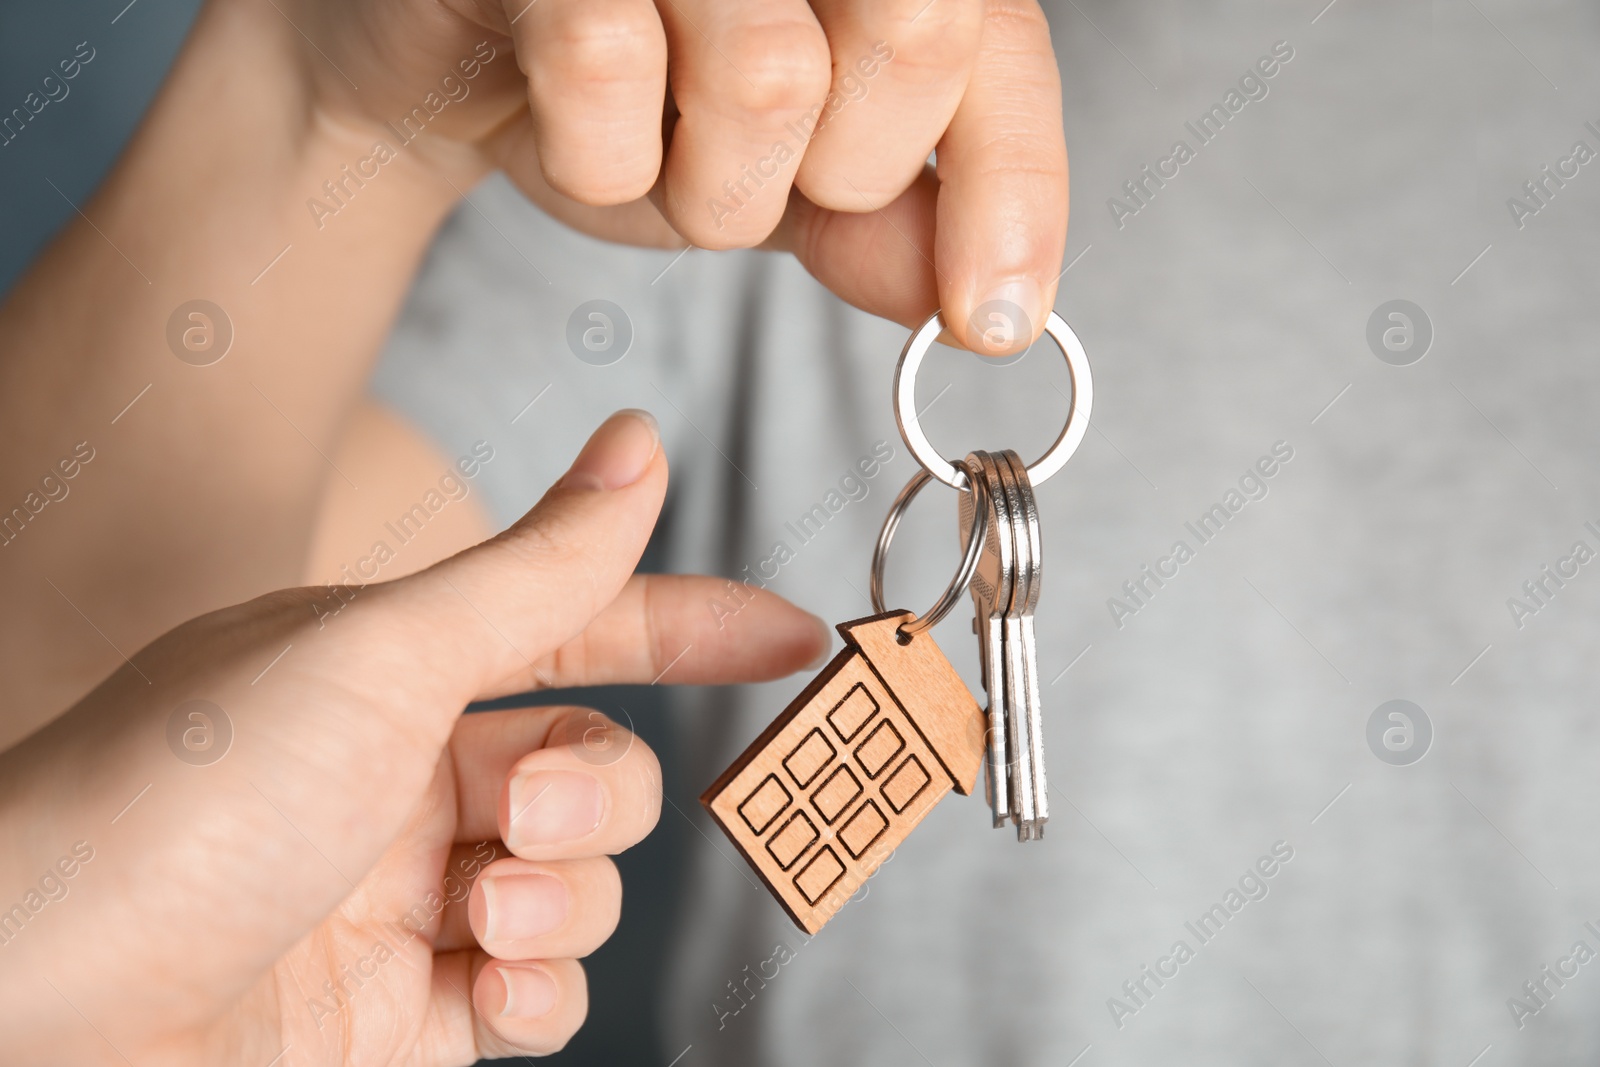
[991,593]
[1020,727]
[1019,745]
[1029,560]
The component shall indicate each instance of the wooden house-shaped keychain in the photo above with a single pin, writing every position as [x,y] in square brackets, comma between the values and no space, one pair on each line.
[848,769]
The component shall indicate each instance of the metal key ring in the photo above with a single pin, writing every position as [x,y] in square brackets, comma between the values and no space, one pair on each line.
[969,562]
[905,403]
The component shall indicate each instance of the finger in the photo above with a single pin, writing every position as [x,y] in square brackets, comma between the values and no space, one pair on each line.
[463,626]
[683,630]
[637,222]
[594,789]
[1002,222]
[899,70]
[880,261]
[597,83]
[553,783]
[481,1007]
[559,909]
[747,80]
[467,861]
[528,1005]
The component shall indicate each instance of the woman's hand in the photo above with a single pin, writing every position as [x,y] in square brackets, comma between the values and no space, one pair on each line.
[282,834]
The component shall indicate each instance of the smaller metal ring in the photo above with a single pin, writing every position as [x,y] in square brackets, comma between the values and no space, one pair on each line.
[1055,457]
[969,562]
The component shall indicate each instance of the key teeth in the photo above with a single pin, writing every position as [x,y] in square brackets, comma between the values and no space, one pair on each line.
[1030,831]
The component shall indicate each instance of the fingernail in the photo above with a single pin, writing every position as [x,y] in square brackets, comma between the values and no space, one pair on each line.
[826,640]
[617,454]
[530,991]
[1004,320]
[521,906]
[552,807]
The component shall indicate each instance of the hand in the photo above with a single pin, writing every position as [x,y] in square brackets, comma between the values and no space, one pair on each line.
[841,101]
[310,887]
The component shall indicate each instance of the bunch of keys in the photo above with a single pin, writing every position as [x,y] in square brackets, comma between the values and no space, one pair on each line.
[1005,590]
[822,797]
[1007,581]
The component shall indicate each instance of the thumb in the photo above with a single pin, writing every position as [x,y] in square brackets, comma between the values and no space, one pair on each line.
[495,609]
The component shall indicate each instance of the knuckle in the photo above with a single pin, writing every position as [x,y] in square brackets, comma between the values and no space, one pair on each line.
[781,66]
[601,43]
[924,35]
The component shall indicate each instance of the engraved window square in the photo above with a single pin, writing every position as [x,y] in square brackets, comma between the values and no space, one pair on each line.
[837,793]
[792,840]
[863,828]
[883,744]
[765,803]
[819,876]
[853,712]
[905,784]
[808,759]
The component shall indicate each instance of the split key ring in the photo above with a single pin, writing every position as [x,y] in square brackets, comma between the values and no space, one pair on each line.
[905,403]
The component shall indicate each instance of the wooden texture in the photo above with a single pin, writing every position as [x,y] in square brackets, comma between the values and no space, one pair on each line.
[844,773]
[932,692]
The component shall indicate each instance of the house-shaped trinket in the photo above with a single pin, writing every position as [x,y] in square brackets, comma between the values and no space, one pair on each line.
[845,773]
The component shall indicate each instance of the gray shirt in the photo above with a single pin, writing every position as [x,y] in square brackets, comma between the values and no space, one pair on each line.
[1229,776]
